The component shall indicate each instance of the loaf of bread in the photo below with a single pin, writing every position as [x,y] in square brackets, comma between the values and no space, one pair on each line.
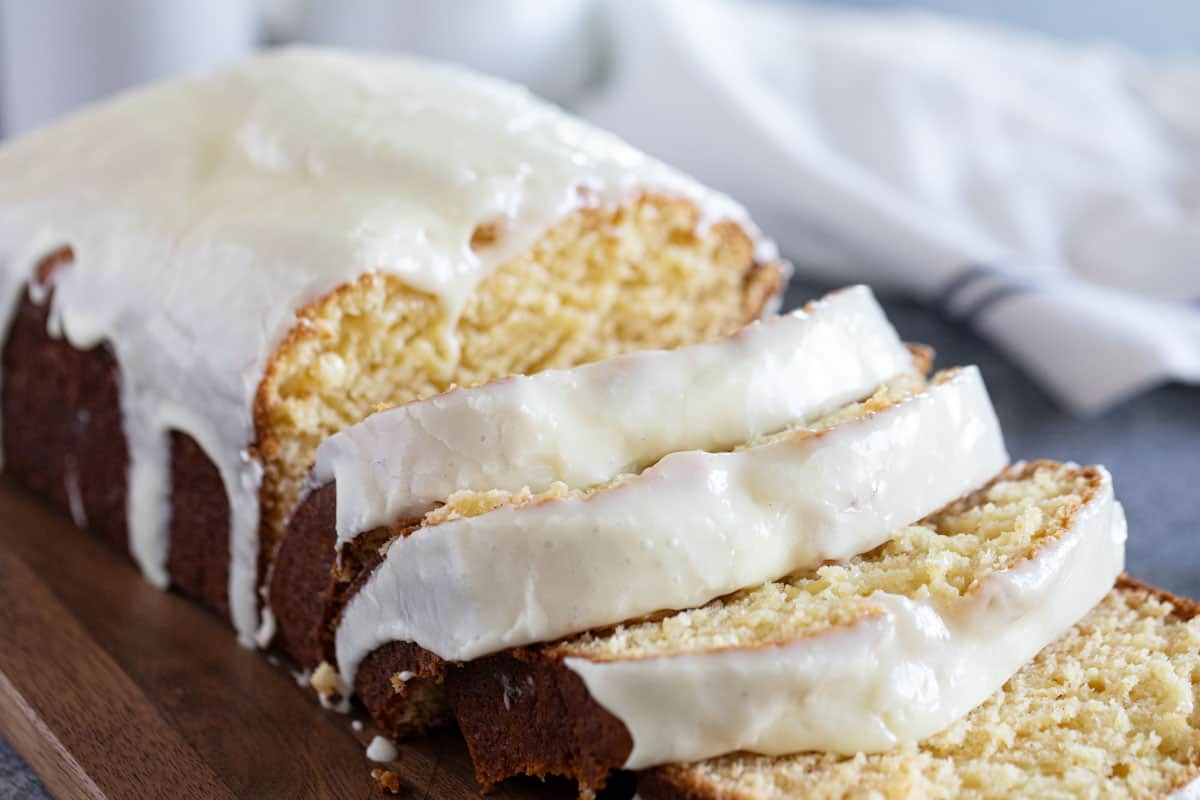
[461,404]
[203,279]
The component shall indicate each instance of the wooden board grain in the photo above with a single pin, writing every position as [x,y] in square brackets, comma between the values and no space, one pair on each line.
[110,688]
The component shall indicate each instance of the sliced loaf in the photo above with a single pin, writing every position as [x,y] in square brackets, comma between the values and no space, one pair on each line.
[1112,710]
[581,427]
[885,649]
[695,526]
[586,425]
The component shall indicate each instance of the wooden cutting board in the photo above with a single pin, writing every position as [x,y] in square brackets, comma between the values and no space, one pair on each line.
[110,688]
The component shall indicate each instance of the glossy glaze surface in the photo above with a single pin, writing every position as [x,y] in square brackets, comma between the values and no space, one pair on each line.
[204,212]
[693,527]
[587,425]
[897,675]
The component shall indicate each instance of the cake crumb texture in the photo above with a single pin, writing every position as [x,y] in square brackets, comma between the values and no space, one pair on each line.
[386,780]
[602,282]
[937,560]
[324,679]
[1110,710]
[468,503]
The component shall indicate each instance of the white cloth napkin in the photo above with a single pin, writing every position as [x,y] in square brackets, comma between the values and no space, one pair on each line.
[1048,194]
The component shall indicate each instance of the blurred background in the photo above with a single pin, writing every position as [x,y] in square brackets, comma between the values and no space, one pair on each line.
[1020,179]
[58,54]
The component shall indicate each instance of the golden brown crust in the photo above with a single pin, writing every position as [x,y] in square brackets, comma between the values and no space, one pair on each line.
[65,439]
[1183,609]
[676,782]
[198,543]
[923,357]
[274,507]
[522,714]
[395,681]
[761,285]
[61,414]
[302,582]
[1091,474]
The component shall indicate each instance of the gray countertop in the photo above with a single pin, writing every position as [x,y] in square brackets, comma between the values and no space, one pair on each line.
[1150,443]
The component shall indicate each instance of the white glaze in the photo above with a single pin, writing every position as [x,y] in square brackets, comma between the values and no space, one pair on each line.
[382,749]
[586,425]
[694,526]
[898,676]
[204,212]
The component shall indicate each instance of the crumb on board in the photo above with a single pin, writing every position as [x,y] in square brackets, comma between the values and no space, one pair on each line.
[325,679]
[386,780]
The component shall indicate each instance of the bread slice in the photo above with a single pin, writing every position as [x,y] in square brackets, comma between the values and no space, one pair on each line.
[1111,709]
[887,648]
[478,579]
[582,427]
[586,425]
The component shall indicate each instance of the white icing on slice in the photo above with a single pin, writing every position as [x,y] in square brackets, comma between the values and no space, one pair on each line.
[204,212]
[587,425]
[693,527]
[896,677]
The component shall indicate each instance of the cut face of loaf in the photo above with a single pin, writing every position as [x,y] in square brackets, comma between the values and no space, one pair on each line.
[1109,710]
[601,284]
[586,425]
[298,239]
[582,427]
[695,526]
[887,648]
[587,293]
[803,508]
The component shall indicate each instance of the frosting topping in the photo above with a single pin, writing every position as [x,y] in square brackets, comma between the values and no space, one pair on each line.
[693,527]
[586,425]
[204,212]
[898,675]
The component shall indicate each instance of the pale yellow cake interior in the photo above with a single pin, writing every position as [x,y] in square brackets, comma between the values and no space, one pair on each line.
[939,559]
[600,283]
[1110,710]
